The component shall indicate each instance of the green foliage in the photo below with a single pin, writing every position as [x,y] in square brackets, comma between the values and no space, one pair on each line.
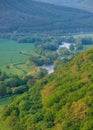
[30,40]
[79,45]
[2,90]
[4,101]
[3,76]
[14,81]
[12,85]
[62,100]
[71,47]
[3,126]
[58,63]
[63,51]
[87,40]
[42,73]
[20,89]
[47,57]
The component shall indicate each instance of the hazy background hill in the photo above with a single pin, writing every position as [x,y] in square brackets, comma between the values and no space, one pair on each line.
[82,4]
[27,16]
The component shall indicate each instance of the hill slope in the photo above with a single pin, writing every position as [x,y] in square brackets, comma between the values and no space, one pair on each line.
[21,17]
[61,101]
[85,4]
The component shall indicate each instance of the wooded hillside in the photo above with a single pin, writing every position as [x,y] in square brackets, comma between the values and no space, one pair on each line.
[23,17]
[60,101]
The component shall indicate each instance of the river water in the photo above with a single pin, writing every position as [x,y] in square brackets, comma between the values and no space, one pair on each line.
[64,44]
[50,68]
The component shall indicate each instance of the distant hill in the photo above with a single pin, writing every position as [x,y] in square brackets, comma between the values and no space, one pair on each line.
[81,4]
[60,101]
[23,17]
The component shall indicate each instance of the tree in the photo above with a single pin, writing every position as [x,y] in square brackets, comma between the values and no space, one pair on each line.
[2,90]
[58,63]
[20,89]
[87,40]
[64,51]
[42,73]
[14,81]
[71,47]
[78,44]
[3,76]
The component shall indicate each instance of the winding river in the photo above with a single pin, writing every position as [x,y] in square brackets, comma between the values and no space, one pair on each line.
[50,68]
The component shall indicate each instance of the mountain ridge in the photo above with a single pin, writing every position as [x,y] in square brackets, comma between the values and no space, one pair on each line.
[85,4]
[26,17]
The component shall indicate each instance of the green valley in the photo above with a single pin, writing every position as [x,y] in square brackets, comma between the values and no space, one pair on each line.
[46,65]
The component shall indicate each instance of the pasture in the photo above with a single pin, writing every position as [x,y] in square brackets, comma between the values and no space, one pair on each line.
[13,53]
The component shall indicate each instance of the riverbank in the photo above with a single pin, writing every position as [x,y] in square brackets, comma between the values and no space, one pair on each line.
[50,68]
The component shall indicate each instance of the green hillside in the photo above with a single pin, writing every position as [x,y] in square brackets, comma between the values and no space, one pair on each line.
[25,17]
[60,101]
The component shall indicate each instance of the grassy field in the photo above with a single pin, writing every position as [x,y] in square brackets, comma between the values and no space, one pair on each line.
[13,53]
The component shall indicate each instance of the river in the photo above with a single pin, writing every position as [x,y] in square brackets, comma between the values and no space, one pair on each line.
[50,68]
[64,44]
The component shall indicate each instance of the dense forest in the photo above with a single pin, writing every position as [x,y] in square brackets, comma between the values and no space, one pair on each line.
[18,18]
[14,84]
[60,101]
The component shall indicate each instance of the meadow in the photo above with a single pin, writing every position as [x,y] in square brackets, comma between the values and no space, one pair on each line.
[13,53]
